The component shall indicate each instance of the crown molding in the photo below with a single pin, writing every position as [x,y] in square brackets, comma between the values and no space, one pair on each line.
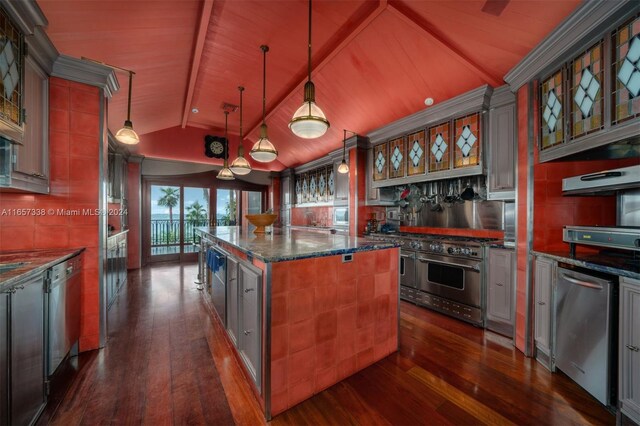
[86,72]
[26,14]
[472,101]
[579,29]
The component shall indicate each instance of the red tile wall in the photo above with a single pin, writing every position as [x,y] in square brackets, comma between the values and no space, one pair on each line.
[74,140]
[329,320]
[552,210]
[134,258]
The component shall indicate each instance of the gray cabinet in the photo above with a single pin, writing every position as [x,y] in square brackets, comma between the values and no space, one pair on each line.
[233,320]
[250,313]
[26,390]
[342,186]
[629,349]
[116,177]
[502,149]
[31,159]
[500,291]
[116,265]
[544,274]
[287,200]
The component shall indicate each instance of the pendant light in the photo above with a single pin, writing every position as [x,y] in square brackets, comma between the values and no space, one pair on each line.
[225,173]
[263,150]
[240,166]
[344,167]
[127,135]
[309,121]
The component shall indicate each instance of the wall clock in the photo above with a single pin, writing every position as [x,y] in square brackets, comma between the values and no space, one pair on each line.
[214,146]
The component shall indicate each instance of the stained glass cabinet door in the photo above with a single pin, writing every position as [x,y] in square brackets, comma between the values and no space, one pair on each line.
[416,154]
[380,161]
[397,155]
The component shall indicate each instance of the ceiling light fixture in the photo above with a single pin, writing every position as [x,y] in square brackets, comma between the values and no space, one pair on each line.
[225,173]
[309,122]
[344,167]
[428,101]
[127,135]
[240,166]
[263,150]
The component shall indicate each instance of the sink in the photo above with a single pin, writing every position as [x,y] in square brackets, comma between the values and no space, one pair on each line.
[7,267]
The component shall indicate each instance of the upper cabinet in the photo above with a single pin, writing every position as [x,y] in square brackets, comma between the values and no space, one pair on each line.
[31,161]
[440,142]
[26,60]
[584,81]
[501,170]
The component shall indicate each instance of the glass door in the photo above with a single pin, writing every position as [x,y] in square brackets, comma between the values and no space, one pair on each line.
[166,206]
[226,207]
[176,212]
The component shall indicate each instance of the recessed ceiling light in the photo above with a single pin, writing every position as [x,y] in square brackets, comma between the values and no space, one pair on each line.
[428,101]
[195,110]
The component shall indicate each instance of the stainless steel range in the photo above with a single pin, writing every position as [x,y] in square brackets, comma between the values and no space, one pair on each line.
[443,273]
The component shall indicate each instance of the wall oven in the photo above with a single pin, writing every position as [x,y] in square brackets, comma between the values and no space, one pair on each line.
[453,285]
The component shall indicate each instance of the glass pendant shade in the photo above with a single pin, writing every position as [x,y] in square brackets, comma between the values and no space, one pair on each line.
[225,173]
[127,135]
[240,166]
[263,150]
[343,167]
[309,121]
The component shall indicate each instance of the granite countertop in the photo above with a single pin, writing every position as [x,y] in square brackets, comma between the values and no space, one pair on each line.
[35,262]
[610,264]
[289,244]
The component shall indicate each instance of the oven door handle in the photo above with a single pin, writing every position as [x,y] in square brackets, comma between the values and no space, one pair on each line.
[475,267]
[406,255]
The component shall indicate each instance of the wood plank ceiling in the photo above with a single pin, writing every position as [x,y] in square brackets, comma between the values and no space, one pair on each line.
[374,61]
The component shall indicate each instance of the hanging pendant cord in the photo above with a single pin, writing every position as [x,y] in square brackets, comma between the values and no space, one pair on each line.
[226,138]
[240,147]
[265,49]
[309,40]
[344,144]
[129,103]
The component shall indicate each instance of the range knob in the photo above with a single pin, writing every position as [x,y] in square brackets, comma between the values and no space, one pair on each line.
[466,251]
[417,245]
[434,247]
[451,250]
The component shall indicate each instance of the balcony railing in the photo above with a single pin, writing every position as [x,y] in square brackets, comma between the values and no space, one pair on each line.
[165,232]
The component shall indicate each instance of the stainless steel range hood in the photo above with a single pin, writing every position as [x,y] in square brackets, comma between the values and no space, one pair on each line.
[601,183]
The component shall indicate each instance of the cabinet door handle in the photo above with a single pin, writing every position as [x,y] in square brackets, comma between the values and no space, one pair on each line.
[541,303]
[247,332]
[499,284]
[247,290]
[633,348]
[38,175]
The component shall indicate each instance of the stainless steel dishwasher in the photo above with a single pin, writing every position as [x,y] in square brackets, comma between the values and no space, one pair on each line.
[586,330]
[63,331]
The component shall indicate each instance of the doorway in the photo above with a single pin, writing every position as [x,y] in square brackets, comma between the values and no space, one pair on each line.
[175,213]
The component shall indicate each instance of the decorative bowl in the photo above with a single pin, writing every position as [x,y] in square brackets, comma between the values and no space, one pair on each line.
[260,221]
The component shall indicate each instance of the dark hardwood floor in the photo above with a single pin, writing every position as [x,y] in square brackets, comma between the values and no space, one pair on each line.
[167,361]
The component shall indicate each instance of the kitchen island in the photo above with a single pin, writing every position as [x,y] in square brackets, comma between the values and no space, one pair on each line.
[327,307]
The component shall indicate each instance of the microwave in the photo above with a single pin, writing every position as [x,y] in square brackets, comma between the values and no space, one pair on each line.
[340,216]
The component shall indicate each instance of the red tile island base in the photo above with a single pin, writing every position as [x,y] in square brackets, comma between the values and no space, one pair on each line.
[328,320]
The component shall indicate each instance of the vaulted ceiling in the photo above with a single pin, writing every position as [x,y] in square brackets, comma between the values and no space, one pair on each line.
[373,61]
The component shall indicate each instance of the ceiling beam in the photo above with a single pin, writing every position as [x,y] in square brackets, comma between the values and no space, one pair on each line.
[205,17]
[350,29]
[415,20]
